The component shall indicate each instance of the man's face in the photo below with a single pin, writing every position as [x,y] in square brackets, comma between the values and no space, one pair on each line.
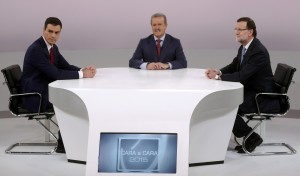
[242,34]
[158,26]
[52,33]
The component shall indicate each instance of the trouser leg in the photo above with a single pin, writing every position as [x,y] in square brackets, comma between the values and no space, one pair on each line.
[240,127]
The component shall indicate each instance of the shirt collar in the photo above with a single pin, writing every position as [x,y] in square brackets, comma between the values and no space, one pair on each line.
[248,44]
[48,45]
[161,39]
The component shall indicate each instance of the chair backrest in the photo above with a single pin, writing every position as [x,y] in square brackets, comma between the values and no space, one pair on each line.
[12,75]
[283,77]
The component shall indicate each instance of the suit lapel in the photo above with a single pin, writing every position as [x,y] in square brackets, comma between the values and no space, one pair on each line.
[245,59]
[248,51]
[44,46]
[55,51]
[239,65]
[153,49]
[164,48]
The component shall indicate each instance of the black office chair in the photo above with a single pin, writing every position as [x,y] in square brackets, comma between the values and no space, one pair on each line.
[283,78]
[12,75]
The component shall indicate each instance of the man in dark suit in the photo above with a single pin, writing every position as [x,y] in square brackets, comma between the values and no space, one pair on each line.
[159,50]
[252,68]
[44,64]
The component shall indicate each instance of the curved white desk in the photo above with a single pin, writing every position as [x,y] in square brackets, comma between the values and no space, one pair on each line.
[123,100]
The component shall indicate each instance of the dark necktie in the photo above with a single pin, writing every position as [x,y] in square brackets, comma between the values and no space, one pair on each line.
[243,53]
[51,56]
[158,47]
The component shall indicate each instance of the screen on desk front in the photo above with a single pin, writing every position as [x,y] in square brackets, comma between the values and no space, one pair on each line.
[136,152]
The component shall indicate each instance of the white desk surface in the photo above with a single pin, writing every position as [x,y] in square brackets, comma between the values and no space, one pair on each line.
[129,78]
[124,95]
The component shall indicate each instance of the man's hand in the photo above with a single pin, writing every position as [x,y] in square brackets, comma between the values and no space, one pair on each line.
[89,72]
[151,66]
[163,66]
[157,66]
[211,73]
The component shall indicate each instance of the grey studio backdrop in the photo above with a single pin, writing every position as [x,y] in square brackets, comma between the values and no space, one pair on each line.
[106,33]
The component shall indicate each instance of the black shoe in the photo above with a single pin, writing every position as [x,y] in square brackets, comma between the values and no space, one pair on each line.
[60,147]
[238,147]
[60,144]
[253,135]
[252,142]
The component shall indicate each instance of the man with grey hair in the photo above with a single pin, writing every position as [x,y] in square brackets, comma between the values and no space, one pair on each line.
[159,50]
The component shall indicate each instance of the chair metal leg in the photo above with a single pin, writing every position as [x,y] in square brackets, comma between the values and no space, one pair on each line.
[54,122]
[290,151]
[40,144]
[47,135]
[9,149]
[236,141]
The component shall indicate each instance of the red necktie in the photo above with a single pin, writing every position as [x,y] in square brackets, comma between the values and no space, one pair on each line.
[51,56]
[158,47]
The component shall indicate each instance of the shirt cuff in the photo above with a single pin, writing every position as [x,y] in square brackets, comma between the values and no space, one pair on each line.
[170,66]
[80,73]
[143,66]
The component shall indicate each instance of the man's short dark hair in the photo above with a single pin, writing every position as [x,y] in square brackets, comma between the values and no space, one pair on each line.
[54,21]
[250,24]
[159,15]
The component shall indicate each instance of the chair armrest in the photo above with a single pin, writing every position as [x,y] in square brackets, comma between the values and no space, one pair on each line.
[270,95]
[29,94]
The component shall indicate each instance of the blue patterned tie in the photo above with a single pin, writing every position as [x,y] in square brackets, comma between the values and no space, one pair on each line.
[243,53]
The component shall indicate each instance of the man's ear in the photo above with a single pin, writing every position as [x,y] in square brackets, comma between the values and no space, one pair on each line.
[251,31]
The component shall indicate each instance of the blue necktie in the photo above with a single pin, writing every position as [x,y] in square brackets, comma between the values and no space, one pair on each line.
[243,53]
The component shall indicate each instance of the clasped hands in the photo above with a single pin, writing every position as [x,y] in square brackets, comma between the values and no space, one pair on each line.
[211,73]
[89,72]
[157,66]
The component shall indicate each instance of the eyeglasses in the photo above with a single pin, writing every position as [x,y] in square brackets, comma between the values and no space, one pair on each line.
[239,30]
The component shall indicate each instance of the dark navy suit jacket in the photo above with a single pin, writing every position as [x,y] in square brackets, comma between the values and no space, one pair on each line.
[38,72]
[255,73]
[171,51]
